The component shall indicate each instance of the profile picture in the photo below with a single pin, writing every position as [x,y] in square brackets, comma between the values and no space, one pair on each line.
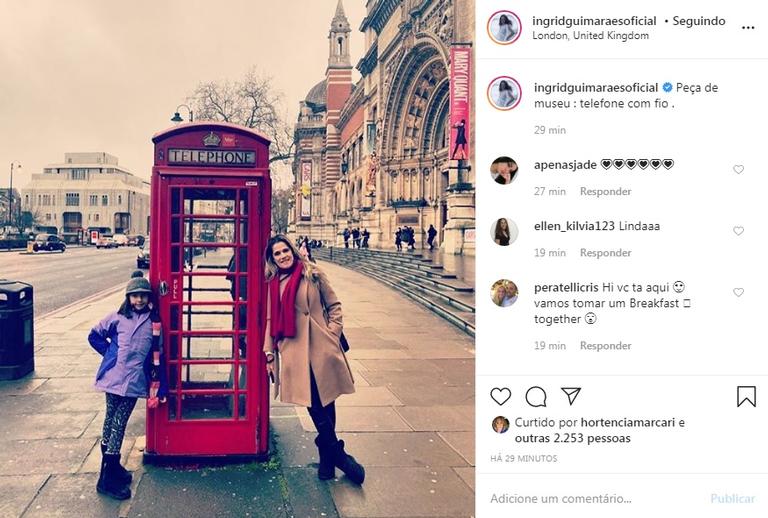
[504,27]
[500,424]
[504,170]
[504,232]
[504,93]
[504,293]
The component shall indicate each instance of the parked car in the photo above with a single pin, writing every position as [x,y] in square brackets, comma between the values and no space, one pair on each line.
[142,260]
[106,242]
[120,239]
[48,242]
[135,240]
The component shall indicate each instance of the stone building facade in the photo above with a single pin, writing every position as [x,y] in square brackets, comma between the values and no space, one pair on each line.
[88,191]
[375,154]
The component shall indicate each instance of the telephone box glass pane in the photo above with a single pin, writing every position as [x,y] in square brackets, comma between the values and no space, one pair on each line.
[208,288]
[208,406]
[174,318]
[208,347]
[243,231]
[209,201]
[243,202]
[201,230]
[207,318]
[175,201]
[210,376]
[207,259]
[175,263]
[175,231]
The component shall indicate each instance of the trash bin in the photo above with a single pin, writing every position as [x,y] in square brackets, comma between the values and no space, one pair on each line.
[17,341]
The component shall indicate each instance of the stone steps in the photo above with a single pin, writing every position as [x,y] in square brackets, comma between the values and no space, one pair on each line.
[415,276]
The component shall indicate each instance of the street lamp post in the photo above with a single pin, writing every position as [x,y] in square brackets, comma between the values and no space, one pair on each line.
[10,193]
[177,118]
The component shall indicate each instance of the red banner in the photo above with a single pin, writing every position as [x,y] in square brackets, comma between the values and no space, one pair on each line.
[461,93]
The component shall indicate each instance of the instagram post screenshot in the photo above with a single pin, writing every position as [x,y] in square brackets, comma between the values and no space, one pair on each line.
[383,259]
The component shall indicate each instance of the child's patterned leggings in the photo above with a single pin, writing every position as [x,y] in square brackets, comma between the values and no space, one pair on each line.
[119,409]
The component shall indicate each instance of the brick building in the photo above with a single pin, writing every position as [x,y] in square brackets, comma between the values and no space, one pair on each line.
[375,154]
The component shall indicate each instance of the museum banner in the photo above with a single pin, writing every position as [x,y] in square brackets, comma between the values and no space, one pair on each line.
[461,93]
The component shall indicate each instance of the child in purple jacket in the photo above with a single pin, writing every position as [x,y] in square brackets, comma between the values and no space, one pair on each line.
[129,341]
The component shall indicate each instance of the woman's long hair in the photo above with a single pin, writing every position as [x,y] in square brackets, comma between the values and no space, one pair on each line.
[503,20]
[126,308]
[270,266]
[502,233]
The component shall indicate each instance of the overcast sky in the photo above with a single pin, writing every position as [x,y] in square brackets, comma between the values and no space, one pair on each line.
[95,75]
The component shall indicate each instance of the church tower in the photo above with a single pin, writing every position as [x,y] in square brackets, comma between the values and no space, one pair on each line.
[338,78]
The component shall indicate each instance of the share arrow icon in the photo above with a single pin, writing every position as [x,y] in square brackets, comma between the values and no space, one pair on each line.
[572,393]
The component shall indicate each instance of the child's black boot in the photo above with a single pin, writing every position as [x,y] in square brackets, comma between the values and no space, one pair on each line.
[109,482]
[125,475]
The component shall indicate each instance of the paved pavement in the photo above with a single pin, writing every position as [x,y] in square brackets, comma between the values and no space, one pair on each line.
[411,423]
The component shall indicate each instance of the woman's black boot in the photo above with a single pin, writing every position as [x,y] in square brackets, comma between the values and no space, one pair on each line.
[347,463]
[109,483]
[327,468]
[125,475]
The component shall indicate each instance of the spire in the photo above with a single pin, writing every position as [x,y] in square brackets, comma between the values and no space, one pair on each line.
[340,22]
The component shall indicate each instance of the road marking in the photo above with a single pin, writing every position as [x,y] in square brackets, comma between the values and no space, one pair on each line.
[79,276]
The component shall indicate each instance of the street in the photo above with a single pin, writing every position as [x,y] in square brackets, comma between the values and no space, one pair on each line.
[61,279]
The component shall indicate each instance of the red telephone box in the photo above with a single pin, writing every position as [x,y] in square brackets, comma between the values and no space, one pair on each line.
[211,219]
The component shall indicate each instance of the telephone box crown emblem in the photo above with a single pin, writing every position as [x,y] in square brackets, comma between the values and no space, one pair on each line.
[211,139]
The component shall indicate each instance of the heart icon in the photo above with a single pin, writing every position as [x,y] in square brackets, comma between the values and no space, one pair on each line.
[501,395]
[738,291]
[668,163]
[642,163]
[618,163]
[605,163]
[631,163]
[738,169]
[655,163]
[738,230]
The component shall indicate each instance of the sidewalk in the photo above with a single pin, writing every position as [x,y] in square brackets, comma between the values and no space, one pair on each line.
[411,423]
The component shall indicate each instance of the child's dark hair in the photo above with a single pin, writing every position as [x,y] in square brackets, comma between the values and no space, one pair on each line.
[125,308]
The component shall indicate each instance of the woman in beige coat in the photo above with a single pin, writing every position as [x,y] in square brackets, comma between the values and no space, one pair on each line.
[301,342]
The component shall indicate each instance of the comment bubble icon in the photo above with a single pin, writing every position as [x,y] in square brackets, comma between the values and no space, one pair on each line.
[536,397]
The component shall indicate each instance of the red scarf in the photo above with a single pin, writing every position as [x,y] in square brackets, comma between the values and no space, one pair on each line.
[283,309]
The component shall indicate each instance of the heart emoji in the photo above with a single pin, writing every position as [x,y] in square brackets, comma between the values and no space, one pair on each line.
[501,395]
[668,163]
[738,291]
[618,163]
[655,163]
[642,163]
[606,163]
[631,163]
[738,230]
[738,169]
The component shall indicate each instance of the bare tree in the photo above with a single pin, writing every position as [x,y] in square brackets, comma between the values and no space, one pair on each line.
[281,200]
[251,102]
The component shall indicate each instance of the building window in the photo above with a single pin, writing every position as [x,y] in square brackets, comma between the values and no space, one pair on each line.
[47,216]
[73,199]
[119,199]
[93,199]
[95,217]
[46,200]
[104,200]
[79,174]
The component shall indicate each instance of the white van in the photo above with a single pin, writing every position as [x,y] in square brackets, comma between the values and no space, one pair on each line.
[120,239]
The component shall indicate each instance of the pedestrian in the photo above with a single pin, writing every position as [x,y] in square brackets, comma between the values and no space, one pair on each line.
[411,238]
[431,234]
[356,237]
[346,235]
[305,360]
[132,367]
[366,236]
[399,239]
